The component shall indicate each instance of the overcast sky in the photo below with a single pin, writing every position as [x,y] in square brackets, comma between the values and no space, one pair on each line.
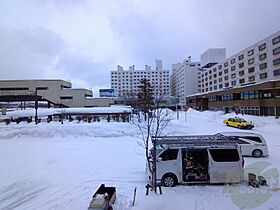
[83,40]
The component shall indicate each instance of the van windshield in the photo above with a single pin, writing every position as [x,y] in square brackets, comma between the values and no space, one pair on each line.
[240,120]
[159,148]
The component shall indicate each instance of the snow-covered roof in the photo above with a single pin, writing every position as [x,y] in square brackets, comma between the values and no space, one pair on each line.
[58,111]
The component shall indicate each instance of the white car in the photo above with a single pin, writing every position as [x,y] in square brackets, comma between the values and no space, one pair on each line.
[254,144]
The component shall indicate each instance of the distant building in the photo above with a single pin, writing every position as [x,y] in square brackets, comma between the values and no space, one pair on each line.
[246,82]
[185,78]
[107,93]
[212,56]
[50,93]
[258,63]
[126,82]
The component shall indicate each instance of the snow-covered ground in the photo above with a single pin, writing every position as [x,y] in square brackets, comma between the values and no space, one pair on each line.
[59,166]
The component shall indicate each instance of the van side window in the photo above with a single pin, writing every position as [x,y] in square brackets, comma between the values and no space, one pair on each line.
[253,138]
[170,154]
[224,155]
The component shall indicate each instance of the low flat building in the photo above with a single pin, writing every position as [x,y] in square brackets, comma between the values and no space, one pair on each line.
[258,99]
[47,93]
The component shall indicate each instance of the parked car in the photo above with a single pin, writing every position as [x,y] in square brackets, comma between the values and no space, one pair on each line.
[252,144]
[238,122]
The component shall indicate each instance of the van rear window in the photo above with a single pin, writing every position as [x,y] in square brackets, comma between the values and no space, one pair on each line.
[224,155]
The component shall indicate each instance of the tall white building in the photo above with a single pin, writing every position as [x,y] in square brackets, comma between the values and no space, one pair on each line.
[185,79]
[126,82]
[212,56]
[258,63]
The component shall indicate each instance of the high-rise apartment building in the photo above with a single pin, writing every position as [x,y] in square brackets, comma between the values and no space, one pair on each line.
[185,79]
[257,63]
[247,82]
[126,82]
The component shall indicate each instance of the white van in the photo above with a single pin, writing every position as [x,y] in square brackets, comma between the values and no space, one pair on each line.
[199,162]
[252,144]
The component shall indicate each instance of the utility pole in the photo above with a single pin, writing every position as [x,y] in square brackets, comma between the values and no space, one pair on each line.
[36,107]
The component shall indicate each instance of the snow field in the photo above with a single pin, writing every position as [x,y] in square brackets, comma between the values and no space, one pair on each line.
[55,166]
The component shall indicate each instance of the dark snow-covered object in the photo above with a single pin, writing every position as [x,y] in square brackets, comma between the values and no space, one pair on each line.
[103,198]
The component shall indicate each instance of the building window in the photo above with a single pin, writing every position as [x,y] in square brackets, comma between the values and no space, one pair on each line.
[66,97]
[241,81]
[251,79]
[276,72]
[233,68]
[241,73]
[251,61]
[276,61]
[226,64]
[220,73]
[215,75]
[220,79]
[220,67]
[226,71]
[227,97]
[262,56]
[215,81]
[263,75]
[212,98]
[262,47]
[241,65]
[276,51]
[232,61]
[220,86]
[250,52]
[249,95]
[226,84]
[263,66]
[240,57]
[226,77]
[233,75]
[276,40]
[233,83]
[251,70]
[215,69]
[42,88]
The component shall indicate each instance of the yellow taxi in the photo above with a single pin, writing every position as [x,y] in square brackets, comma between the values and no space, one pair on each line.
[238,122]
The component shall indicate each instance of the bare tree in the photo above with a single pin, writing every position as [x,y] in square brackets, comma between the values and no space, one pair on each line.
[157,121]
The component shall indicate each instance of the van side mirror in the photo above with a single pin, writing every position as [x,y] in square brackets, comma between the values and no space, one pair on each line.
[159,159]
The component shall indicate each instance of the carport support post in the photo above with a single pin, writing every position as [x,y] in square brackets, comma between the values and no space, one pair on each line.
[154,183]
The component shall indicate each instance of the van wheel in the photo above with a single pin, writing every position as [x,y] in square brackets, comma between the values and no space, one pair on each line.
[257,153]
[169,180]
